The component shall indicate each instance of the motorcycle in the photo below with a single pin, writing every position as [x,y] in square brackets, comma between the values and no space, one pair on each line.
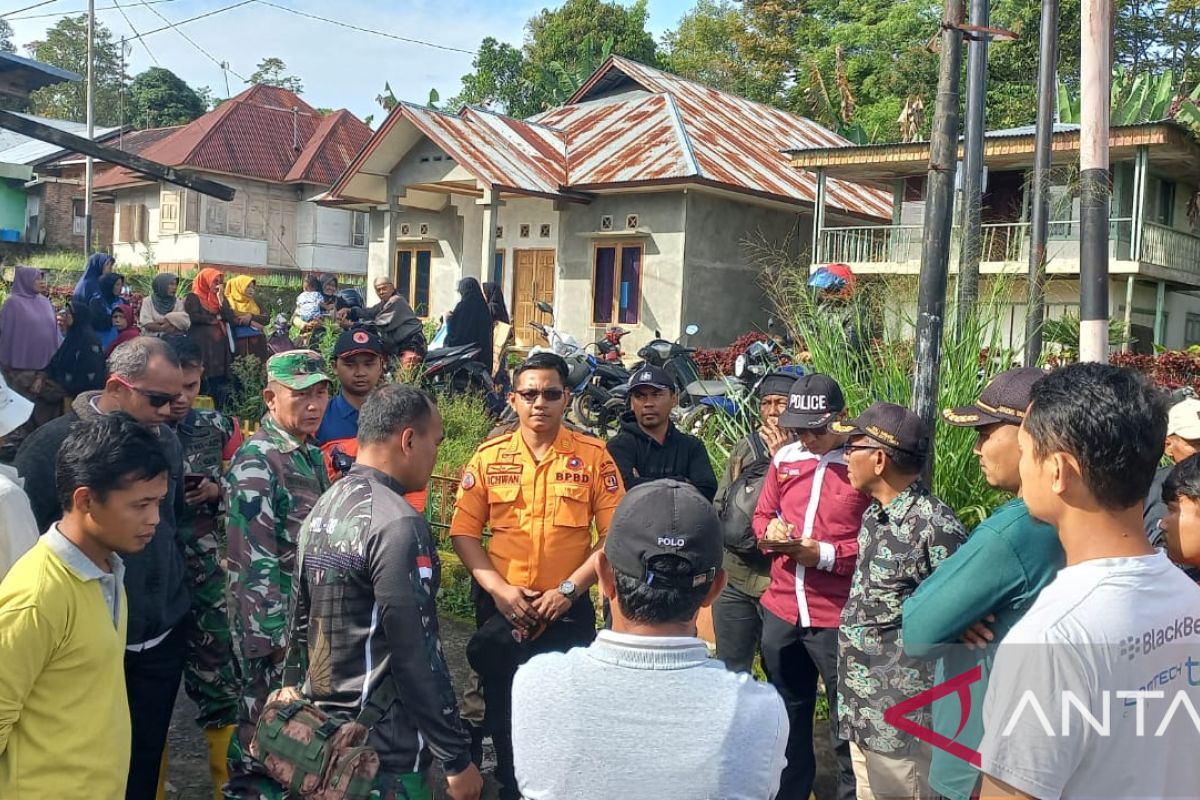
[677,360]
[280,340]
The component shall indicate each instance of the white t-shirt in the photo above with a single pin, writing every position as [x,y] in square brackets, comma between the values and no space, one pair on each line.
[1100,628]
[18,528]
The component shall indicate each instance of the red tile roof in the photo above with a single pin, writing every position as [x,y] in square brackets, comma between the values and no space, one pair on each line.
[265,133]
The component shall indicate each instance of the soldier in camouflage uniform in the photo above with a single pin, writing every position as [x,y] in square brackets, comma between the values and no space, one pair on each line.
[275,479]
[209,440]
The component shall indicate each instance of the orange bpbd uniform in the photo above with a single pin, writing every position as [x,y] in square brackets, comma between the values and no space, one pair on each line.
[540,514]
[417,498]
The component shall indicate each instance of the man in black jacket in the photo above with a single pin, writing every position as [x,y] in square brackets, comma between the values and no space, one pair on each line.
[144,377]
[649,446]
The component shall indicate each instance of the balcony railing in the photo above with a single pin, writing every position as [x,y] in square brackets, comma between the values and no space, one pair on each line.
[1167,247]
[1003,242]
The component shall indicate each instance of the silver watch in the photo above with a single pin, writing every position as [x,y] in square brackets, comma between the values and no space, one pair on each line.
[567,589]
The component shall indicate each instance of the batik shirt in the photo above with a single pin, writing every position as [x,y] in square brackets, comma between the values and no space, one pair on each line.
[899,546]
[366,611]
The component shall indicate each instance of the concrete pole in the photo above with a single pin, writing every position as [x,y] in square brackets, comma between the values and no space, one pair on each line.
[1094,181]
[1160,316]
[939,218]
[971,251]
[1035,311]
[88,168]
[490,203]
[818,217]
[1126,341]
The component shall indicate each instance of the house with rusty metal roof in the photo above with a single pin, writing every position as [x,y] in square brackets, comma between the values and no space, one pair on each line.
[278,152]
[630,205]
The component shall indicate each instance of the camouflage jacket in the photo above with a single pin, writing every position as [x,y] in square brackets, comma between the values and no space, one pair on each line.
[273,482]
[206,437]
[899,546]
[366,614]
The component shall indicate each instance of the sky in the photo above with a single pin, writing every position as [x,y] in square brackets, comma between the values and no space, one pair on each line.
[340,68]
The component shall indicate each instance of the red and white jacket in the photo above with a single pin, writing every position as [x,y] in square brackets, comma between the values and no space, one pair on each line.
[813,493]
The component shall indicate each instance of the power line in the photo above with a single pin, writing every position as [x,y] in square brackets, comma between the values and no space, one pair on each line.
[222,64]
[365,30]
[63,13]
[26,8]
[149,52]
[215,11]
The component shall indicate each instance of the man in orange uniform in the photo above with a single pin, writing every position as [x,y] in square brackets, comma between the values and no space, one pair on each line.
[538,490]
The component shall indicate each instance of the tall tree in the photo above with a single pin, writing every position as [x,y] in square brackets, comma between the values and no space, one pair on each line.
[500,80]
[272,71]
[6,34]
[158,98]
[65,46]
[555,35]
[705,48]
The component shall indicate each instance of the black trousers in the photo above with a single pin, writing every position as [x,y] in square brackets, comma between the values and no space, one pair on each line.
[576,628]
[794,657]
[738,623]
[152,682]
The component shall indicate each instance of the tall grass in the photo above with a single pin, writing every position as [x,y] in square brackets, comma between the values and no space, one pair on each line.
[866,344]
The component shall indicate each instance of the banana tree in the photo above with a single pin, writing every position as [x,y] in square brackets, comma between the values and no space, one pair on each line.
[1137,98]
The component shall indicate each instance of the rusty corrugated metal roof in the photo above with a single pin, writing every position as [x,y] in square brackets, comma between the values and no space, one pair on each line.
[632,124]
[263,133]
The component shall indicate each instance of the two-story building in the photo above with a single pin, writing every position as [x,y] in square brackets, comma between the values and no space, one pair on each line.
[630,205]
[1154,234]
[277,152]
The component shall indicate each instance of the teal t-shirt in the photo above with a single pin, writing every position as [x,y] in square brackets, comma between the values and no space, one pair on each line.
[1003,566]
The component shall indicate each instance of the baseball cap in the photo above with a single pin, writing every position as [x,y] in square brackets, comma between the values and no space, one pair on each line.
[650,375]
[812,402]
[1004,399]
[353,342]
[297,369]
[776,383]
[891,425]
[661,518]
[1183,420]
[15,410]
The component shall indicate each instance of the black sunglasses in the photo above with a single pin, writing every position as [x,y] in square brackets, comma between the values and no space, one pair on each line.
[530,396]
[155,399]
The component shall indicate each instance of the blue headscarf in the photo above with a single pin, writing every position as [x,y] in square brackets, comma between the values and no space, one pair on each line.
[89,285]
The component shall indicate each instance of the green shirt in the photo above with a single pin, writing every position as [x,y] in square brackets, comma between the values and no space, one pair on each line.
[1000,570]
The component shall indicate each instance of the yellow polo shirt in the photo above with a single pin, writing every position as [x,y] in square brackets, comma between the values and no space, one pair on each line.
[64,717]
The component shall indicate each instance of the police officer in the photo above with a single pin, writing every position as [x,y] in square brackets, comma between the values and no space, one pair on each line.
[538,489]
[273,482]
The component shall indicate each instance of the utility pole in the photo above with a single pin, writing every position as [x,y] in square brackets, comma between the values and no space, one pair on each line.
[971,226]
[939,217]
[1094,181]
[1035,311]
[89,171]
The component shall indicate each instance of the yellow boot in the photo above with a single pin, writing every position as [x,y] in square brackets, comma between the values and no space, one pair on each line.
[218,756]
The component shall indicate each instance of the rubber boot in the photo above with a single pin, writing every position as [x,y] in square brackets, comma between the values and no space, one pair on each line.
[162,773]
[218,756]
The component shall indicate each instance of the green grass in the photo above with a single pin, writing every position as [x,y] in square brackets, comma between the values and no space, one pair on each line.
[466,422]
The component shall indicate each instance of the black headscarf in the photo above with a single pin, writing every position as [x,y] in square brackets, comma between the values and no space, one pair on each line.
[108,282]
[78,366]
[471,321]
[495,301]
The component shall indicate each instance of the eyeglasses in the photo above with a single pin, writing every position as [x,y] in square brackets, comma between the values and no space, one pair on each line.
[530,396]
[155,399]
[852,447]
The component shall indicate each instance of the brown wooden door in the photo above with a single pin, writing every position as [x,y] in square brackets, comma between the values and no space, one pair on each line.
[533,281]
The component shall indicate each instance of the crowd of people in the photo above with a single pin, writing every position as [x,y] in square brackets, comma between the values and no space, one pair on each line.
[288,579]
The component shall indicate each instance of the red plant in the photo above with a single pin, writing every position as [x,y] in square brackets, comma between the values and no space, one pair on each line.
[718,361]
[1171,369]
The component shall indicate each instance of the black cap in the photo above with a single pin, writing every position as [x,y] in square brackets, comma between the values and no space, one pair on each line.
[813,401]
[665,518]
[776,383]
[1004,399]
[650,375]
[356,341]
[891,425]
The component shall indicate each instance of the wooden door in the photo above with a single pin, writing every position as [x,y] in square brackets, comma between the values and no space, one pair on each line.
[533,281]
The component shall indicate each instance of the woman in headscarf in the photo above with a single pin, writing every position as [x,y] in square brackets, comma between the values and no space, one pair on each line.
[122,320]
[78,366]
[101,307]
[241,311]
[162,312]
[29,338]
[471,322]
[495,301]
[203,307]
[98,264]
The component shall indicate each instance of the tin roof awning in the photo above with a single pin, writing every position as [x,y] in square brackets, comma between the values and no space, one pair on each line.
[19,75]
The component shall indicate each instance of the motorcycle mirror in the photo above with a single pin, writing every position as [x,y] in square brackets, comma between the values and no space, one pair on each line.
[545,307]
[692,330]
[770,322]
[657,335]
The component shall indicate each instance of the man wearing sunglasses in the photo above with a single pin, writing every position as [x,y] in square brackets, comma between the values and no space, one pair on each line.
[538,489]
[807,521]
[143,378]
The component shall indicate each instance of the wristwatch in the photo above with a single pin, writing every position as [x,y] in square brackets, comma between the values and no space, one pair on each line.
[567,589]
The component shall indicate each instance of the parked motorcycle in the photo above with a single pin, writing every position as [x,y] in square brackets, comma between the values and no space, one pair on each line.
[679,363]
[280,340]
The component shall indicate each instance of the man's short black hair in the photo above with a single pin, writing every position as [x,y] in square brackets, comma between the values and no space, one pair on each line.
[1183,480]
[660,603]
[392,408]
[107,453]
[1110,419]
[186,350]
[550,361]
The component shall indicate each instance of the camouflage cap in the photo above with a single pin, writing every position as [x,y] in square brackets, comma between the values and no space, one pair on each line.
[297,369]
